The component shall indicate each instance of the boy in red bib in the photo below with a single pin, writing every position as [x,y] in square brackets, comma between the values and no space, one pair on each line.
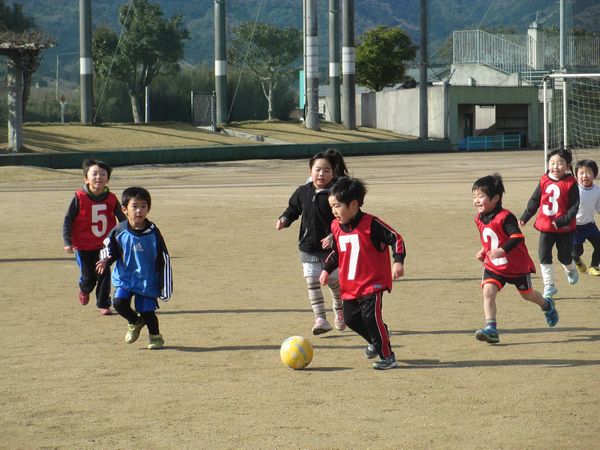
[504,256]
[92,214]
[361,255]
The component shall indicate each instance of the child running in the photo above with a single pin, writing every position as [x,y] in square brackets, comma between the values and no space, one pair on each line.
[93,212]
[361,255]
[586,171]
[142,268]
[310,202]
[556,201]
[504,256]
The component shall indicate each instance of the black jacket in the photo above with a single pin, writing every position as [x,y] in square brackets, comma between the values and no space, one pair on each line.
[316,215]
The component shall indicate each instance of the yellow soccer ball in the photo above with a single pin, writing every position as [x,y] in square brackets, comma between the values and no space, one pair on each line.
[296,352]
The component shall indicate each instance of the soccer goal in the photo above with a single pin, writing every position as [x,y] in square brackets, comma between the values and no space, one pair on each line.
[571,111]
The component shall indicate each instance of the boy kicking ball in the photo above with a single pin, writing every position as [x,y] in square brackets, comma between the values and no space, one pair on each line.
[361,255]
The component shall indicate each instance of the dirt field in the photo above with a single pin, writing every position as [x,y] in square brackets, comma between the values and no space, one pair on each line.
[68,380]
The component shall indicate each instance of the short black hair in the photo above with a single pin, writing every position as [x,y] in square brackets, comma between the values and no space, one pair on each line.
[563,153]
[490,185]
[347,189]
[590,164]
[87,163]
[135,192]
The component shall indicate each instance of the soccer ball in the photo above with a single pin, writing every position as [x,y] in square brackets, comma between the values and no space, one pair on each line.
[296,352]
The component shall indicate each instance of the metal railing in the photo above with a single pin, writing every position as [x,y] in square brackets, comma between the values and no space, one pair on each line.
[480,47]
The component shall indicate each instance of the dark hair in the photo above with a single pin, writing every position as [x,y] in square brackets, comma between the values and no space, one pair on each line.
[563,153]
[347,189]
[87,163]
[135,192]
[336,161]
[590,164]
[339,166]
[490,185]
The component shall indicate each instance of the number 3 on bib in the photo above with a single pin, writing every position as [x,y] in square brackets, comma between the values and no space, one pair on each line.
[491,237]
[351,239]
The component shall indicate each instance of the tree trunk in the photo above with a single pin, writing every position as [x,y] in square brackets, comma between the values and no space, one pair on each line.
[135,107]
[270,100]
[14,77]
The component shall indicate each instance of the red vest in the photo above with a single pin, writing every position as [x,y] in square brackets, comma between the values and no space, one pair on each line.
[515,263]
[363,269]
[94,221]
[554,203]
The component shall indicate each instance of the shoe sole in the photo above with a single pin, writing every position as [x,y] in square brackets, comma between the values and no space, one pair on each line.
[318,331]
[485,338]
[340,328]
[391,366]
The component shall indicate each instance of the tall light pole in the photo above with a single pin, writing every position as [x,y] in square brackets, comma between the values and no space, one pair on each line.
[334,60]
[348,67]
[220,62]
[423,124]
[312,67]
[85,60]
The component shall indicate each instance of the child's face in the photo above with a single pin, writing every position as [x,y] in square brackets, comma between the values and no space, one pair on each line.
[342,212]
[96,179]
[483,203]
[557,166]
[136,212]
[321,173]
[585,176]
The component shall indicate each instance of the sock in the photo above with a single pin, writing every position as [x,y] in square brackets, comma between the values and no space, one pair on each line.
[334,289]
[569,268]
[547,274]
[490,323]
[315,295]
[546,306]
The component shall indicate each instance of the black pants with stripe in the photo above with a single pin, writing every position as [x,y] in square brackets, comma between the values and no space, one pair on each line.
[363,315]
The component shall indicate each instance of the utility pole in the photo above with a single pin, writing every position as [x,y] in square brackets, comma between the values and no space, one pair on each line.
[348,67]
[562,33]
[312,67]
[423,120]
[334,60]
[85,60]
[220,62]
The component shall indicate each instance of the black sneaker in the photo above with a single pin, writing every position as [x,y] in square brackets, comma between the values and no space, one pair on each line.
[386,363]
[370,351]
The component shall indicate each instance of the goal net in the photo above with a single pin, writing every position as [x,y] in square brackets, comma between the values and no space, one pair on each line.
[571,111]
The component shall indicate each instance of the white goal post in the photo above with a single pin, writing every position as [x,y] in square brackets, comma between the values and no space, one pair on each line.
[571,111]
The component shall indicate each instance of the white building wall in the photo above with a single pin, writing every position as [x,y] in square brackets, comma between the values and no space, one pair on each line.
[480,75]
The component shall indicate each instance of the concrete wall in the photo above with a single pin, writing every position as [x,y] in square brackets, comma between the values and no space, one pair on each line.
[398,111]
[480,75]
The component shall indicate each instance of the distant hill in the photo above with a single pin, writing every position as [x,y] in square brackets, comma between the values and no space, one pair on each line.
[60,19]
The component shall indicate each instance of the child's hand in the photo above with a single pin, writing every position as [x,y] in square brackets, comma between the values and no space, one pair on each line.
[554,225]
[480,256]
[324,278]
[101,266]
[397,270]
[496,253]
[70,248]
[522,223]
[281,223]
[327,242]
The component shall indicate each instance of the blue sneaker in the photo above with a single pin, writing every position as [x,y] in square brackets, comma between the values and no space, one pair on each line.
[386,363]
[572,276]
[487,334]
[551,314]
[550,290]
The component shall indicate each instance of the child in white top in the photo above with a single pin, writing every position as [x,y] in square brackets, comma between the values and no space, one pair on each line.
[589,205]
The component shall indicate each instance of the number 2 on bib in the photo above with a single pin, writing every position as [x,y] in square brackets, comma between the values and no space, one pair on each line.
[491,237]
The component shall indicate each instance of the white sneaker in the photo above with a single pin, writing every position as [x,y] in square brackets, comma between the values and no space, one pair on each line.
[573,276]
[321,326]
[338,320]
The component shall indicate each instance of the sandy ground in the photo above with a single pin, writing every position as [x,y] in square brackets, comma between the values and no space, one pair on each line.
[68,380]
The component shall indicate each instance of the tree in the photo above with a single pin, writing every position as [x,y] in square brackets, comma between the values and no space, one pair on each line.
[380,56]
[268,51]
[149,45]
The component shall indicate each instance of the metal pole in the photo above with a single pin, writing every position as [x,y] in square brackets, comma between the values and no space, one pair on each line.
[423,116]
[348,66]
[220,62]
[334,60]
[85,60]
[312,67]
[147,104]
[565,127]
[545,91]
[562,33]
